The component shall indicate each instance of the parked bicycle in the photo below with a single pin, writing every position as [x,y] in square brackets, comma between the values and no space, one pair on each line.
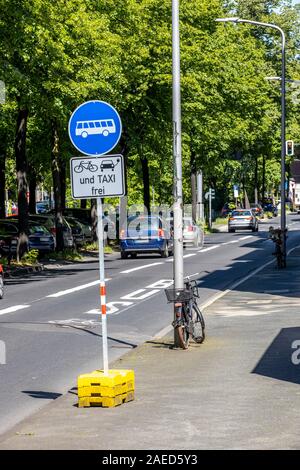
[278,237]
[85,166]
[189,320]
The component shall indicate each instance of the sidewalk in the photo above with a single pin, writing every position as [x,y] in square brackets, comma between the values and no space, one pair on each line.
[239,390]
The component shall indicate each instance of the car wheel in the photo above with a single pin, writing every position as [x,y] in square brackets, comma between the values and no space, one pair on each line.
[256,230]
[1,287]
[124,255]
[165,252]
[133,255]
[231,230]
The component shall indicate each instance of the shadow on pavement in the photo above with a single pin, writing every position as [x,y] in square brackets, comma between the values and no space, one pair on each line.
[40,394]
[280,359]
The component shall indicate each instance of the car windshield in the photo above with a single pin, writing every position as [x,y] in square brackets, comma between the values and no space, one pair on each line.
[187,223]
[241,214]
[143,223]
[40,229]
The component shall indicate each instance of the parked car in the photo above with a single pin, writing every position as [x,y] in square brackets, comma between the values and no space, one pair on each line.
[242,219]
[269,207]
[83,215]
[146,234]
[42,207]
[48,221]
[258,210]
[192,233]
[227,209]
[39,237]
[1,282]
[77,231]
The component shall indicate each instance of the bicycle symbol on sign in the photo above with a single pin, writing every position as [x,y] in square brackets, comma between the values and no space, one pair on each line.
[85,166]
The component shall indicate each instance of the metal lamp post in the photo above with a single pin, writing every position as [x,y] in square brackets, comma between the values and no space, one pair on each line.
[283,113]
[177,156]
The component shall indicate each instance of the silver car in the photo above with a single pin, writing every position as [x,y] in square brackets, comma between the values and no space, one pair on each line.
[242,219]
[192,234]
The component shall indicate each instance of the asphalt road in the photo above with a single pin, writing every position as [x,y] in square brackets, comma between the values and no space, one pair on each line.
[51,325]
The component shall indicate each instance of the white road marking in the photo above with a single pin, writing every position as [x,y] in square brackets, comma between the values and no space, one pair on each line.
[140,267]
[188,256]
[75,289]
[111,308]
[136,294]
[209,248]
[15,308]
[161,284]
[245,238]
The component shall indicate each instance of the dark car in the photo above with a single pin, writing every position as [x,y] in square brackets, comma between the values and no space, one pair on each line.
[42,207]
[48,221]
[146,234]
[258,210]
[9,235]
[271,208]
[77,231]
[39,237]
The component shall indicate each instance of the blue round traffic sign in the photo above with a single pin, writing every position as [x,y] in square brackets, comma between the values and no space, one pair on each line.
[95,128]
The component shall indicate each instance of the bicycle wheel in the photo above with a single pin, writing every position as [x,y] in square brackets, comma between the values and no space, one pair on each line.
[197,325]
[93,168]
[78,169]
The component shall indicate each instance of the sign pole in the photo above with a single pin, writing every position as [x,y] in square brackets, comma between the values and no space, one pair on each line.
[102,284]
[209,200]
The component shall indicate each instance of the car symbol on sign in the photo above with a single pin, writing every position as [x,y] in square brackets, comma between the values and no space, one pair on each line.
[108,165]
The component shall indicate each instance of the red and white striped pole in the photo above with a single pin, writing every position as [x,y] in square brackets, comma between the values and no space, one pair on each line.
[100,234]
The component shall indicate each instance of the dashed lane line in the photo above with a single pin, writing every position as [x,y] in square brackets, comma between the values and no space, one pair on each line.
[127,271]
[12,309]
[75,289]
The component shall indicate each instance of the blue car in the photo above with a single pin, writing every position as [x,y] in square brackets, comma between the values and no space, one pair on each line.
[146,234]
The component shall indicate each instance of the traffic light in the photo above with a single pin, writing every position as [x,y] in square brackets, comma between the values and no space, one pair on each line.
[212,193]
[289,148]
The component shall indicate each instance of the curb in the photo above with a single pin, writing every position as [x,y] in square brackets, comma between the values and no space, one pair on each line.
[15,272]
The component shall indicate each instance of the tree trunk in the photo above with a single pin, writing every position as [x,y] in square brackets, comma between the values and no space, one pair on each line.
[56,175]
[94,218]
[194,188]
[21,167]
[82,203]
[263,180]
[2,183]
[146,183]
[32,191]
[62,165]
[256,181]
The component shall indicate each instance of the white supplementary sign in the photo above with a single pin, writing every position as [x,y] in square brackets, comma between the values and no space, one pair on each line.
[97,177]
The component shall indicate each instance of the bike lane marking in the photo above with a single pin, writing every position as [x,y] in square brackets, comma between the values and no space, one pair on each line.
[12,309]
[75,289]
[127,271]
[139,294]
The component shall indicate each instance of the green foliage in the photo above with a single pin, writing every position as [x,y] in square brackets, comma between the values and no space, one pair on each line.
[30,258]
[55,54]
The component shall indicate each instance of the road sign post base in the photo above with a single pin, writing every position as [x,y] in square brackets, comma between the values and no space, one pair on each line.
[105,390]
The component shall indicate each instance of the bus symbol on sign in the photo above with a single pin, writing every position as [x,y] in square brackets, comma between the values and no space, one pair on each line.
[86,128]
[95,128]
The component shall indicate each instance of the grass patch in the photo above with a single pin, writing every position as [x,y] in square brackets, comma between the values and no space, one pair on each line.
[68,255]
[29,259]
[220,221]
[108,249]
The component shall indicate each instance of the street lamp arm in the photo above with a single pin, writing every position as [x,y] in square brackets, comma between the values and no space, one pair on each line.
[266,25]
[257,23]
